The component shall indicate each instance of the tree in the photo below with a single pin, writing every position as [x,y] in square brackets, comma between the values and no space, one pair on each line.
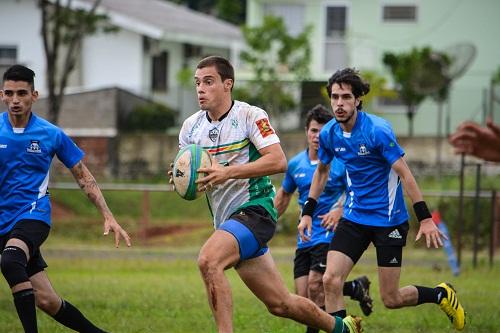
[233,11]
[63,29]
[276,57]
[417,74]
[495,78]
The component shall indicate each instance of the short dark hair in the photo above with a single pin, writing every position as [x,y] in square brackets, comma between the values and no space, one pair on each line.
[223,66]
[20,73]
[319,113]
[351,77]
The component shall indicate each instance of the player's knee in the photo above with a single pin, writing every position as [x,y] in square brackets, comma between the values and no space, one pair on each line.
[391,301]
[315,287]
[332,282]
[47,302]
[279,308]
[207,266]
[13,265]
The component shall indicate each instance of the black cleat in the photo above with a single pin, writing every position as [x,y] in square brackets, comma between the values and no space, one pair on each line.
[362,294]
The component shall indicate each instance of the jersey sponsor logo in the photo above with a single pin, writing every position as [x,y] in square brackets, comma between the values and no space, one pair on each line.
[234,123]
[34,147]
[362,150]
[299,175]
[2,146]
[213,134]
[264,127]
[395,234]
[340,149]
[322,265]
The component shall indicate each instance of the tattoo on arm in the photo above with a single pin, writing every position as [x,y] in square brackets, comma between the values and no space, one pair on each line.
[89,185]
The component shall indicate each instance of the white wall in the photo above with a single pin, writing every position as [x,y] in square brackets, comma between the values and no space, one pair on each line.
[113,60]
[20,27]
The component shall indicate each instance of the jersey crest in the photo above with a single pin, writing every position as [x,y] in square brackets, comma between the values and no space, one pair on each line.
[34,147]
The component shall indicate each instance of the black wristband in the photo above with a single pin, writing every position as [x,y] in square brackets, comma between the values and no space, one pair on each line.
[309,207]
[421,211]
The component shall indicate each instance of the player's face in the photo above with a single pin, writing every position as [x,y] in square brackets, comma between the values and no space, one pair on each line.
[211,90]
[343,103]
[19,97]
[313,134]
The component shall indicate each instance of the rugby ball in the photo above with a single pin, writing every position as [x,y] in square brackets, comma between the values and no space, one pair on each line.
[184,175]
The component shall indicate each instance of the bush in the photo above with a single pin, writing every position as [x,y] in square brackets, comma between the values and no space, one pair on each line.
[150,117]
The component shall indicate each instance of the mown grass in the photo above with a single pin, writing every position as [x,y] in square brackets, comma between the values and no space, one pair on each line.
[159,290]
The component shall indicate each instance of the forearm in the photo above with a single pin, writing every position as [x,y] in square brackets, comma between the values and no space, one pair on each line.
[319,180]
[281,201]
[88,184]
[267,164]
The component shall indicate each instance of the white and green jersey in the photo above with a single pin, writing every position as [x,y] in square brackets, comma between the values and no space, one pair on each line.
[235,139]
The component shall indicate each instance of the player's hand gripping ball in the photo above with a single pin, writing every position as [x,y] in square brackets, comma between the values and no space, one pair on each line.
[184,174]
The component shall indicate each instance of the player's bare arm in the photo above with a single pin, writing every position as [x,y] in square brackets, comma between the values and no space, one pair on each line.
[272,161]
[282,200]
[88,184]
[317,186]
[433,236]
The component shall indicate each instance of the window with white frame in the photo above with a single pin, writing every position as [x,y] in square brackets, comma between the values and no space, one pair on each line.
[399,13]
[335,55]
[292,15]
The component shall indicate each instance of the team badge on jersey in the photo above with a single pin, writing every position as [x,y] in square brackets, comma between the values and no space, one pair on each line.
[362,150]
[34,147]
[264,127]
[213,134]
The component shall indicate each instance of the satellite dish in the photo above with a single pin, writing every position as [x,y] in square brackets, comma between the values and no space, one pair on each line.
[431,74]
[461,57]
[443,67]
[435,78]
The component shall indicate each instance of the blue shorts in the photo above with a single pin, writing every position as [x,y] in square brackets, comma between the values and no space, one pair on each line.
[253,228]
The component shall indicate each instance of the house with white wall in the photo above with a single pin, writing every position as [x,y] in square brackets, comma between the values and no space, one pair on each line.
[155,40]
[356,33]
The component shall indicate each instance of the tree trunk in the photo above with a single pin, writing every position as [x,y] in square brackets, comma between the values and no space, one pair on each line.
[410,113]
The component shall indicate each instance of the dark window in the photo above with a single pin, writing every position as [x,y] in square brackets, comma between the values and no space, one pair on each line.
[400,13]
[336,21]
[8,55]
[160,72]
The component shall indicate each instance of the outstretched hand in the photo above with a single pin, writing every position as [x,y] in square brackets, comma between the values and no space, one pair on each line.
[110,224]
[433,236]
[473,139]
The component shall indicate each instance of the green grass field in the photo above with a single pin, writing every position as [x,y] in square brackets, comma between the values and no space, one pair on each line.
[159,290]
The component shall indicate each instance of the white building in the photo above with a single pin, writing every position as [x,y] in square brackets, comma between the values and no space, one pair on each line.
[156,39]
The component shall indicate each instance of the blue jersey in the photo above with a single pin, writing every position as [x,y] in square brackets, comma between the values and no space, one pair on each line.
[25,159]
[374,191]
[299,176]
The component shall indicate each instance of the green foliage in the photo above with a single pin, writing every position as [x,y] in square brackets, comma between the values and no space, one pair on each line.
[418,74]
[185,77]
[275,57]
[378,87]
[75,22]
[231,10]
[495,78]
[150,117]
